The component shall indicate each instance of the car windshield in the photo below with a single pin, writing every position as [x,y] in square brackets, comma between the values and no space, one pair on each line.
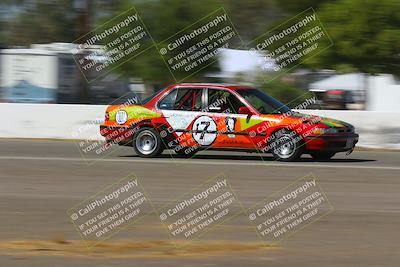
[264,103]
[147,99]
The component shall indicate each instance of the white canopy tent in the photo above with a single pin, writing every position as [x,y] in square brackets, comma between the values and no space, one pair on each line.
[380,91]
[348,82]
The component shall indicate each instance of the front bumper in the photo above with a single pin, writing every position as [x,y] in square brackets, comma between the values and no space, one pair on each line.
[333,143]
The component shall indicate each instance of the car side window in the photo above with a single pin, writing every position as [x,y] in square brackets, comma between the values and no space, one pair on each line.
[188,99]
[223,101]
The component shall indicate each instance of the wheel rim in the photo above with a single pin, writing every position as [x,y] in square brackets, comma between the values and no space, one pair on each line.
[146,142]
[286,147]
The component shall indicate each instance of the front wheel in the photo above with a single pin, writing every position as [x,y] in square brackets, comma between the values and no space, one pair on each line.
[286,146]
[147,143]
[322,155]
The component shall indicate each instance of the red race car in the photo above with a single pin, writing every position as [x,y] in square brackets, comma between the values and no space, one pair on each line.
[192,117]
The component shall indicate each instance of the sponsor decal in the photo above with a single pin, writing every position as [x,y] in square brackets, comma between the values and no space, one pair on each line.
[230,126]
[121,116]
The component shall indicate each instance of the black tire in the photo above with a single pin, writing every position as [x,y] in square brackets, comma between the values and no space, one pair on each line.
[286,146]
[147,143]
[322,155]
[186,152]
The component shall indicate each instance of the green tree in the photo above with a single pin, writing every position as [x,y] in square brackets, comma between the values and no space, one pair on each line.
[23,22]
[284,91]
[366,36]
[43,22]
[163,19]
[252,17]
[293,7]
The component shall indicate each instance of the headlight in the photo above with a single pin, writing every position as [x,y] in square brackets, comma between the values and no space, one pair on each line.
[325,131]
[121,116]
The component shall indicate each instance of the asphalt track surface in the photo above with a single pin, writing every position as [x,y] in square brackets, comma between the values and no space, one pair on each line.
[41,180]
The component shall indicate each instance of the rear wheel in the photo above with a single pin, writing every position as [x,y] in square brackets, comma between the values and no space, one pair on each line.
[147,143]
[286,146]
[321,155]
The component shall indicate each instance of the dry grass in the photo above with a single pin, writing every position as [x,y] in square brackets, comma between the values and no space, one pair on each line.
[125,248]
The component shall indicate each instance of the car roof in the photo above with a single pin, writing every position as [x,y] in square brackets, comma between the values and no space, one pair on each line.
[213,85]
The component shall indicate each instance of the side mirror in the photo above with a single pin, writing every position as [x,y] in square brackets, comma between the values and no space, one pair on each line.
[245,110]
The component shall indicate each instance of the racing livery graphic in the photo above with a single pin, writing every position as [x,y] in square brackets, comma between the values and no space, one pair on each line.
[191,117]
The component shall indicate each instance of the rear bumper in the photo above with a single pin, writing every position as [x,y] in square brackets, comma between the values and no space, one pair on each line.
[117,134]
[333,143]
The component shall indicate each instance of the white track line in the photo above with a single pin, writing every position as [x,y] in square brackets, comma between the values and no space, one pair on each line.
[208,162]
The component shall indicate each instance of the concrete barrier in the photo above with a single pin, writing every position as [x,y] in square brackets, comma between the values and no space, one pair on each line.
[53,121]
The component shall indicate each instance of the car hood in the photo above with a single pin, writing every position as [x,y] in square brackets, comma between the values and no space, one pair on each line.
[296,117]
[332,123]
